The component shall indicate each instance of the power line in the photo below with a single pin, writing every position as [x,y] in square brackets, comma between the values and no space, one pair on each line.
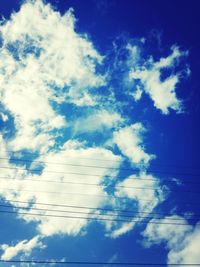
[163,189]
[99,159]
[86,213]
[93,176]
[66,164]
[81,174]
[77,183]
[94,195]
[61,157]
[100,167]
[78,193]
[91,208]
[91,218]
[69,182]
[98,263]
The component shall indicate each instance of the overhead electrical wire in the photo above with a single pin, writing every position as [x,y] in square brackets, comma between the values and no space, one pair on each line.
[91,218]
[120,178]
[182,166]
[98,263]
[99,167]
[81,174]
[77,183]
[98,214]
[84,194]
[162,189]
[92,208]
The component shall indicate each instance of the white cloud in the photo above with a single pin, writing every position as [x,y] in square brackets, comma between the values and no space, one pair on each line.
[44,60]
[182,240]
[24,247]
[129,140]
[97,121]
[162,92]
[133,189]
[137,94]
[65,166]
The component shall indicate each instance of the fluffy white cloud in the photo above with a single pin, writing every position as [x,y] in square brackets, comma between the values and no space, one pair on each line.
[129,140]
[162,92]
[43,60]
[24,247]
[133,189]
[63,167]
[182,241]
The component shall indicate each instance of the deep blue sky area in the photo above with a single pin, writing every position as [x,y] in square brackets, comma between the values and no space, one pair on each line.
[173,138]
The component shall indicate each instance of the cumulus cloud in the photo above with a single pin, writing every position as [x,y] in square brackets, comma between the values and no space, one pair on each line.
[24,247]
[65,170]
[182,241]
[129,140]
[161,91]
[133,189]
[44,61]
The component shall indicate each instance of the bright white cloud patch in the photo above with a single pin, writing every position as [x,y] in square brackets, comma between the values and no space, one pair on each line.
[162,92]
[129,140]
[43,60]
[66,187]
[97,121]
[182,241]
[24,247]
[145,192]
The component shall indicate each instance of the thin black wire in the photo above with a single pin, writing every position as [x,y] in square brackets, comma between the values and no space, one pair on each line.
[98,263]
[90,218]
[78,183]
[101,196]
[101,167]
[99,159]
[92,208]
[64,164]
[93,176]
[84,174]
[61,157]
[163,189]
[86,213]
[84,194]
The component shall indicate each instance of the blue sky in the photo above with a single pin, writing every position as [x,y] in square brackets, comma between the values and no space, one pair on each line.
[99,131]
